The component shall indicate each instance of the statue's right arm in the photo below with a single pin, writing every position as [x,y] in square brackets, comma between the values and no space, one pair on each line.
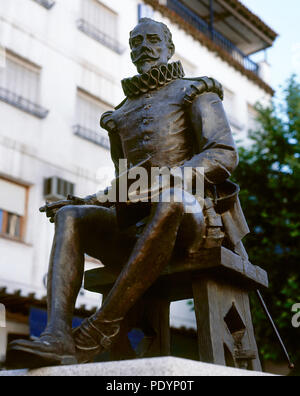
[116,152]
[98,199]
[50,209]
[108,123]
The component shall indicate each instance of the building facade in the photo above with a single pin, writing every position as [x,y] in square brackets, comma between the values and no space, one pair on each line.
[61,62]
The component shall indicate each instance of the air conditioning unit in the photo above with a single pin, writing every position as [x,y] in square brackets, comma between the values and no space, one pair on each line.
[56,189]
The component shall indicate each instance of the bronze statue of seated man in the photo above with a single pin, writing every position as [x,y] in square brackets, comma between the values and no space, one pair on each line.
[176,122]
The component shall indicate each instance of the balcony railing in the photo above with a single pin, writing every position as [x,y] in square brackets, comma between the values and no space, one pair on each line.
[22,103]
[197,22]
[100,36]
[92,136]
[46,3]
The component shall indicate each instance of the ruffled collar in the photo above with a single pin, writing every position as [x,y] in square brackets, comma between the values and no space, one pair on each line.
[157,77]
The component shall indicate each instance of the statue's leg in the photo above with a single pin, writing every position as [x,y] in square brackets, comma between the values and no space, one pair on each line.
[65,271]
[78,229]
[154,248]
[150,255]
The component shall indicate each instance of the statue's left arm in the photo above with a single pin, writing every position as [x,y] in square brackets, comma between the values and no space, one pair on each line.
[215,148]
[217,154]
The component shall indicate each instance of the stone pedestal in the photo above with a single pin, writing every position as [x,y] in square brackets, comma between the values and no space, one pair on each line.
[153,367]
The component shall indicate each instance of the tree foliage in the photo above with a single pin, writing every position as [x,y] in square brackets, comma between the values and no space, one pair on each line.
[269,177]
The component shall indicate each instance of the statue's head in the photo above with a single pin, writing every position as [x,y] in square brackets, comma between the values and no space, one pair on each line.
[151,44]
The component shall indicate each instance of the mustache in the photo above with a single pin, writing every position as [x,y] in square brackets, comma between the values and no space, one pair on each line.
[143,56]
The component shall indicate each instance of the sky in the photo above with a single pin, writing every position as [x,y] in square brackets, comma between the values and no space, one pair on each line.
[283,16]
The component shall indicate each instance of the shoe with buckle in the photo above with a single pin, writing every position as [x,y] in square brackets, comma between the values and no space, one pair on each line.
[94,337]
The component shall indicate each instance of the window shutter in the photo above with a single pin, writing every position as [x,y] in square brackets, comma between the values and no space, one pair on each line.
[89,110]
[12,197]
[100,17]
[229,102]
[21,78]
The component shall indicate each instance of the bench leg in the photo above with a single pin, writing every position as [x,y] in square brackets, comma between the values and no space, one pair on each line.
[151,315]
[157,319]
[224,325]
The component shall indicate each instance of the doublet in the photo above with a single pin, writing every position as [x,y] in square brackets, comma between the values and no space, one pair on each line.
[156,124]
[181,122]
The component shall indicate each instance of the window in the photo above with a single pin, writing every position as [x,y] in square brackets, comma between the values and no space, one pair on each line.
[230,110]
[188,67]
[10,224]
[229,102]
[88,113]
[12,209]
[19,85]
[252,118]
[100,23]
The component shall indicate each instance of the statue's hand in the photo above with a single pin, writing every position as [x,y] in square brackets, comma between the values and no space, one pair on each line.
[52,208]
